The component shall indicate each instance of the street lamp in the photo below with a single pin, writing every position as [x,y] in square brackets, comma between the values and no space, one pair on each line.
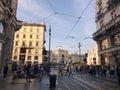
[49,40]
[79,46]
[79,51]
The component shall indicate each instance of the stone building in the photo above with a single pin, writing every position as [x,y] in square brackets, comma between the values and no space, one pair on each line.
[29,43]
[8,25]
[61,56]
[107,35]
[92,58]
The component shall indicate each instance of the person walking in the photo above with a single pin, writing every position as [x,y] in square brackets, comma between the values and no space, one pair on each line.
[28,70]
[5,71]
[118,73]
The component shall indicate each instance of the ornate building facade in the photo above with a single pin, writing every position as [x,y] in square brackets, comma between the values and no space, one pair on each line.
[8,25]
[29,43]
[108,31]
[61,56]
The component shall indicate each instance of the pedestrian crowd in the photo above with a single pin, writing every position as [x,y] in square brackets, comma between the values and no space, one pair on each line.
[100,71]
[25,71]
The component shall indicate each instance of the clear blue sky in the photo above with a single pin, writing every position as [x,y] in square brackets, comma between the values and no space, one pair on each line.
[62,15]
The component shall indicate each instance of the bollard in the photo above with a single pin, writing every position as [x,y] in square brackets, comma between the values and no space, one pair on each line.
[53,80]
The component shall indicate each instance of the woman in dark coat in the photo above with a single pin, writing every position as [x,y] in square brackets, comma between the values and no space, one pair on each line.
[118,73]
[5,71]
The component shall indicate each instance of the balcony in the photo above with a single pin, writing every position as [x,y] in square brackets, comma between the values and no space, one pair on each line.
[113,22]
[109,25]
[99,1]
[99,14]
[112,3]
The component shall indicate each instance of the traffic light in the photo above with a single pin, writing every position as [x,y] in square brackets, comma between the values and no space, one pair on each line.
[85,59]
[44,51]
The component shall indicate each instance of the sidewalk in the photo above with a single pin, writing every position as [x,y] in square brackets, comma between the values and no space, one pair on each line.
[20,84]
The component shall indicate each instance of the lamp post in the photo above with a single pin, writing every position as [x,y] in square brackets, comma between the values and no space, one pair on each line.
[49,41]
[79,45]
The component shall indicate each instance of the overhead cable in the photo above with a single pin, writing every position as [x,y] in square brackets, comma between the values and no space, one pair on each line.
[51,6]
[78,20]
[47,17]
[66,14]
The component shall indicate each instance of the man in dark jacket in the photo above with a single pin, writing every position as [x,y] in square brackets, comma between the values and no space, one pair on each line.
[118,73]
[5,71]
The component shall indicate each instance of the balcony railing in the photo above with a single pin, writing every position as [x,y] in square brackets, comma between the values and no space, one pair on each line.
[112,3]
[107,26]
[99,14]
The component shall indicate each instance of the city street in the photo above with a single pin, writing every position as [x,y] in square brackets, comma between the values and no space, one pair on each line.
[87,82]
[75,82]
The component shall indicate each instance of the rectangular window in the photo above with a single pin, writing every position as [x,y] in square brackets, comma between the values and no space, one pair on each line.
[104,44]
[24,36]
[36,51]
[22,50]
[101,24]
[31,29]
[100,6]
[37,30]
[16,50]
[113,14]
[23,43]
[37,36]
[29,58]
[16,43]
[30,36]
[30,43]
[15,57]
[37,43]
[17,36]
[29,51]
[36,57]
[24,30]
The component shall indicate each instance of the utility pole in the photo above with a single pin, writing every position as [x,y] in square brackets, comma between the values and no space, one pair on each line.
[49,41]
[79,51]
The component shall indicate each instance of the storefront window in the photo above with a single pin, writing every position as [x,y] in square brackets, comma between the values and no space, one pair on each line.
[116,39]
[104,44]
[1,27]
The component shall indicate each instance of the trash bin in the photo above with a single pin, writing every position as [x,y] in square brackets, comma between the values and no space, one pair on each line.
[53,80]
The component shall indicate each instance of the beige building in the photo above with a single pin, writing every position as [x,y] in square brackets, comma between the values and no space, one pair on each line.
[29,43]
[53,57]
[74,57]
[8,26]
[61,56]
[107,35]
[92,58]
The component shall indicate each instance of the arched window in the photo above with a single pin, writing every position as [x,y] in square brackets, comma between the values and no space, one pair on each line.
[29,58]
[116,39]
[104,44]
[36,57]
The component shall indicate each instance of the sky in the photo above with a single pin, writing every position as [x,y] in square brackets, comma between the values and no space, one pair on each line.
[72,21]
